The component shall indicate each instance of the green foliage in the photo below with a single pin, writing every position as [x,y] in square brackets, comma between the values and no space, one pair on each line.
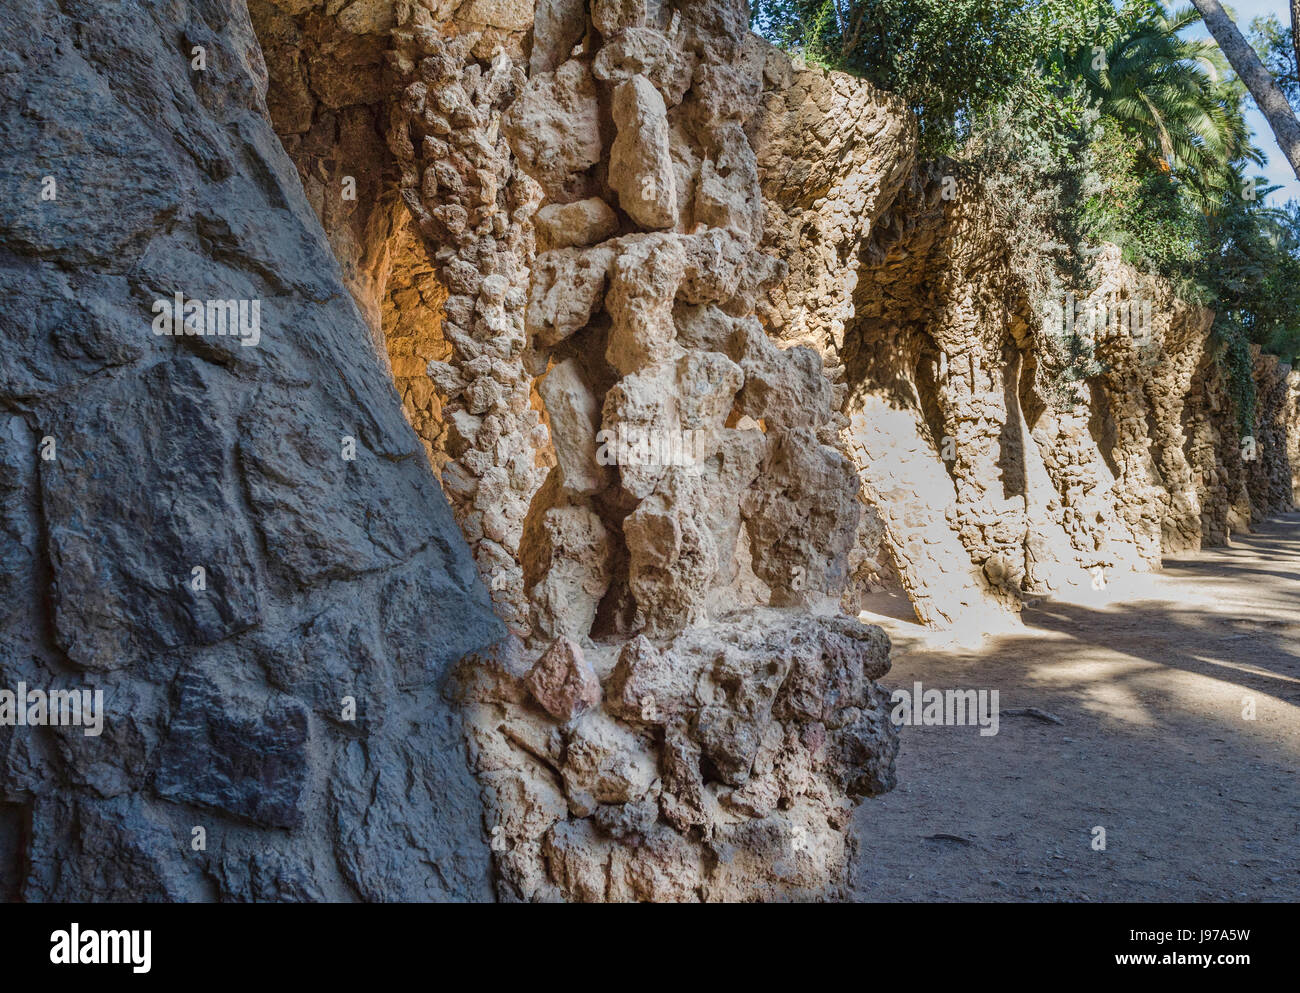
[1088,121]
[1169,94]
[1033,176]
[1236,362]
[1273,41]
[1254,273]
[1239,256]
[954,61]
[1146,213]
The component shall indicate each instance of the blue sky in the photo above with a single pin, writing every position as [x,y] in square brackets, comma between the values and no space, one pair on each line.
[1277,170]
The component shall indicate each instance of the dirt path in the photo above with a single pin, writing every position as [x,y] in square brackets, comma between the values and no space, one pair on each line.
[1150,681]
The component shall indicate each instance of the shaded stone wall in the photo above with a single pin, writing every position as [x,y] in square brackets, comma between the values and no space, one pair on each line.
[1270,473]
[587,198]
[328,96]
[1214,451]
[1138,410]
[702,357]
[235,542]
[633,224]
[1047,490]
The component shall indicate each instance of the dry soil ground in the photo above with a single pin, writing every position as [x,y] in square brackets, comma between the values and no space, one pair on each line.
[1150,680]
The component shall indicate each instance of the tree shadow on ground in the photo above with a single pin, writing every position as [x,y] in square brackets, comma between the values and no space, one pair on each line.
[1179,734]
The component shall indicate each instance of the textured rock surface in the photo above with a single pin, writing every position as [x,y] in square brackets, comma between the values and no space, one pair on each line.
[472,206]
[326,579]
[722,766]
[989,482]
[1043,488]
[610,475]
[1270,479]
[896,334]
[701,356]
[563,682]
[328,94]
[695,489]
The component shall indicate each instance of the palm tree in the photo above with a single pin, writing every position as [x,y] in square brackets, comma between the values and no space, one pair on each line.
[1169,94]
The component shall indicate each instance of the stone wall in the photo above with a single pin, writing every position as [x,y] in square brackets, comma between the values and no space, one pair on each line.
[239,543]
[992,476]
[581,257]
[962,429]
[471,208]
[679,725]
[1270,474]
[328,95]
[704,359]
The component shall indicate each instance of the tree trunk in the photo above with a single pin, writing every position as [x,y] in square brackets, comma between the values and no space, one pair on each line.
[1295,33]
[1268,95]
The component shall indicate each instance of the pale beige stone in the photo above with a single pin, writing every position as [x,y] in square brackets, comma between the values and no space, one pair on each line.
[640,161]
[554,129]
[574,419]
[575,225]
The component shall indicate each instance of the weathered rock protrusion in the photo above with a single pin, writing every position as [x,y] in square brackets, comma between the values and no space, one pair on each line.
[696,488]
